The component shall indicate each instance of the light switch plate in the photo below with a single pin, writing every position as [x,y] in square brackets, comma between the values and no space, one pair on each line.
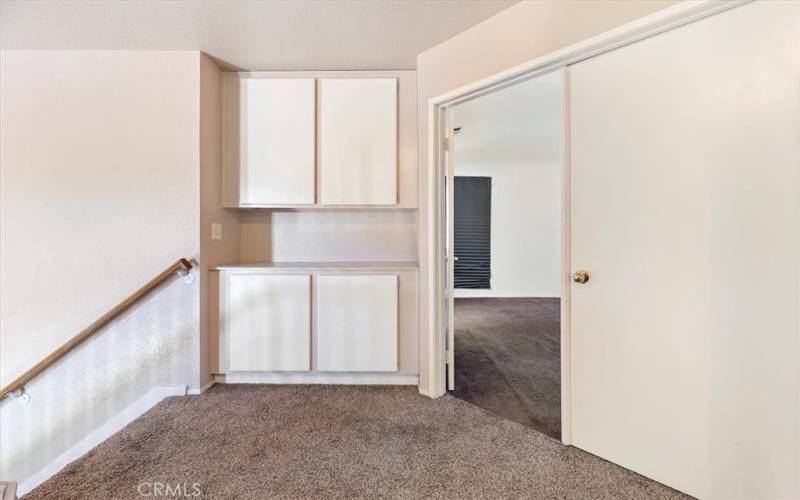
[216,231]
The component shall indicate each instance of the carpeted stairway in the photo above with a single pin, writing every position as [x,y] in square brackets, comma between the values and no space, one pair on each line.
[307,442]
[508,359]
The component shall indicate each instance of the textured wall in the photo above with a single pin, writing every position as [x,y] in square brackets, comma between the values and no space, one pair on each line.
[153,345]
[99,171]
[344,235]
[99,192]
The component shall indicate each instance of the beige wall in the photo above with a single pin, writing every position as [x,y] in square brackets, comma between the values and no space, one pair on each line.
[213,252]
[99,187]
[99,192]
[516,35]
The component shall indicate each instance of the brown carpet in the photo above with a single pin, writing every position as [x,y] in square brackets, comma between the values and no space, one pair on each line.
[307,442]
[508,359]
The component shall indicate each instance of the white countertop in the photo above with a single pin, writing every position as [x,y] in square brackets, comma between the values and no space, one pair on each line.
[323,266]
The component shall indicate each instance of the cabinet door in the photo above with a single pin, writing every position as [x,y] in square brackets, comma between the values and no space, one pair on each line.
[268,322]
[358,141]
[277,141]
[357,323]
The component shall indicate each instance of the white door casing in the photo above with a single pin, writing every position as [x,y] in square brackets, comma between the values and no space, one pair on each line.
[450,243]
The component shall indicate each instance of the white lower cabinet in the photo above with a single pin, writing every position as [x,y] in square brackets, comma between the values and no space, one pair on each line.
[267,322]
[328,324]
[357,323]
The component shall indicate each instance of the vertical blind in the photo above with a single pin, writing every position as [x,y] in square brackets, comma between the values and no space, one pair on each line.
[472,223]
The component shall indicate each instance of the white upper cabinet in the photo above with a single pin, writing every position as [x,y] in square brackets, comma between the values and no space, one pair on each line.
[358,141]
[316,139]
[277,141]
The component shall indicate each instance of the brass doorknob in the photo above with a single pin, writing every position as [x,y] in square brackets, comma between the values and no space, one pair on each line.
[580,276]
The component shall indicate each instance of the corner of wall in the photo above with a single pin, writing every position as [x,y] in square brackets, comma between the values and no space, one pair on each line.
[212,252]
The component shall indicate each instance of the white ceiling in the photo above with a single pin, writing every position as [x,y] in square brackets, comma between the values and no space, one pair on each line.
[287,34]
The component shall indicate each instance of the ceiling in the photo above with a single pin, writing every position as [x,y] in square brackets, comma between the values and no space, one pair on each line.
[252,35]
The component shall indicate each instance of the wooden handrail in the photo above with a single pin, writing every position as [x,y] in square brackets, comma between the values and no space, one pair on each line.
[181,267]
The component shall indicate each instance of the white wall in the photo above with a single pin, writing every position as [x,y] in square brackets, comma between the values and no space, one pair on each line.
[99,191]
[514,137]
[519,34]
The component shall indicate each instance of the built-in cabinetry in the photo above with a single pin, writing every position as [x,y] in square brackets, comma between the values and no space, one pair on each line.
[316,321]
[358,141]
[277,141]
[319,139]
[322,158]
[267,322]
[357,323]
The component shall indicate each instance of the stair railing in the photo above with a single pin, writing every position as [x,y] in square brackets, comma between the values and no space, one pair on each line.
[181,267]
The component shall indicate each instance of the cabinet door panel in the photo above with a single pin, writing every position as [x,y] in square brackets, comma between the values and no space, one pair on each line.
[268,322]
[358,141]
[278,121]
[357,323]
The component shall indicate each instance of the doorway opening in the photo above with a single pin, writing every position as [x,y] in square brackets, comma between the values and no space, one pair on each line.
[504,238]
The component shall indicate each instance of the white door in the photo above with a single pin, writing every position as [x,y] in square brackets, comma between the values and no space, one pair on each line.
[357,323]
[685,211]
[267,322]
[358,141]
[277,141]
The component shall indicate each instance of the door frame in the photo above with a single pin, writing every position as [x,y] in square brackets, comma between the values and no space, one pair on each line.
[672,17]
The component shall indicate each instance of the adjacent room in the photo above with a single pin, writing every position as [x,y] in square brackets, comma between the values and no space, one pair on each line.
[507,165]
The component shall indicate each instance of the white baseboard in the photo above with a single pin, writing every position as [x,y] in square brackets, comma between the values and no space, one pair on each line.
[318,378]
[197,392]
[105,431]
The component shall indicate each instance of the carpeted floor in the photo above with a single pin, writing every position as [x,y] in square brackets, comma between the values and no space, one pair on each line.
[307,442]
[508,359]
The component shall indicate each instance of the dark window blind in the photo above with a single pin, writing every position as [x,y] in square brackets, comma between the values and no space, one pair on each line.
[472,223]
